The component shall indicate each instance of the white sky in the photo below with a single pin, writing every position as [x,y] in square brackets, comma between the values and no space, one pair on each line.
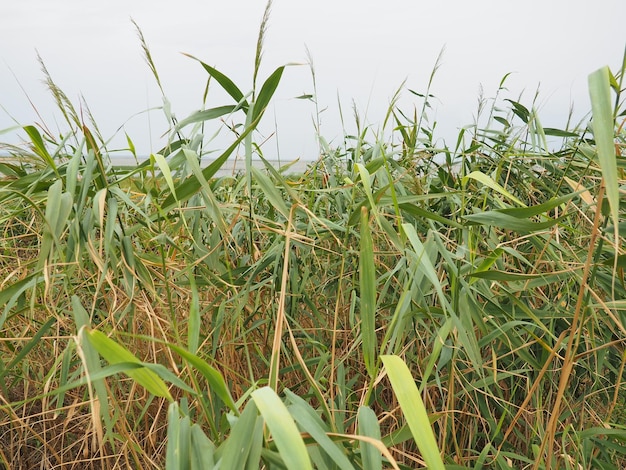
[362,51]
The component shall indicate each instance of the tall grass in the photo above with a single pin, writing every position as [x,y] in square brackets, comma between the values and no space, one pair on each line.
[398,305]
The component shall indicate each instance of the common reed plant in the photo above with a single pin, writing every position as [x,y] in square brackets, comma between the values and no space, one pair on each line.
[401,304]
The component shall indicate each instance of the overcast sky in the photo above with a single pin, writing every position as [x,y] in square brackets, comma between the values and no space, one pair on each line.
[362,51]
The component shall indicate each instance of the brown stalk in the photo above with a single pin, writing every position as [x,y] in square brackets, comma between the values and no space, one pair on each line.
[280,313]
[572,343]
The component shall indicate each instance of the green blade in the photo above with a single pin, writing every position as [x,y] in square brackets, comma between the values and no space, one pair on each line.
[603,131]
[367,286]
[414,410]
[115,353]
[284,431]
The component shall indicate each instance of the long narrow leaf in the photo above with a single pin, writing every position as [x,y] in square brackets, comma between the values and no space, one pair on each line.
[526,212]
[228,85]
[165,170]
[283,429]
[603,131]
[509,222]
[310,422]
[266,93]
[426,265]
[487,181]
[368,426]
[234,452]
[40,147]
[191,185]
[205,115]
[34,341]
[202,449]
[367,286]
[172,452]
[91,358]
[16,291]
[114,353]
[413,410]
[270,191]
[212,375]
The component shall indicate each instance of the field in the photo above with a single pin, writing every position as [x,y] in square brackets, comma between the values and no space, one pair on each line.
[400,304]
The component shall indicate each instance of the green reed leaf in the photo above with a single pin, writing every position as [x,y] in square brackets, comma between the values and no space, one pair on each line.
[91,358]
[165,170]
[195,322]
[487,181]
[311,423]
[368,426]
[212,376]
[23,352]
[205,115]
[177,454]
[270,191]
[283,429]
[202,449]
[227,84]
[266,93]
[235,452]
[603,131]
[115,353]
[424,262]
[191,185]
[40,147]
[509,222]
[58,209]
[527,212]
[413,410]
[367,292]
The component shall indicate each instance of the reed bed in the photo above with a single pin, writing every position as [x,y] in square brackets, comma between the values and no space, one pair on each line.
[401,304]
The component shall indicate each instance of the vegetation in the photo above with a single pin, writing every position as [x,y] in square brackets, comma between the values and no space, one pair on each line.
[399,305]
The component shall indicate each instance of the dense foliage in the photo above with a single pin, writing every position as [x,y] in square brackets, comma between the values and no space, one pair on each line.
[400,303]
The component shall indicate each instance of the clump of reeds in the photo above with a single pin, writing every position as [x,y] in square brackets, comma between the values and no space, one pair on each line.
[398,305]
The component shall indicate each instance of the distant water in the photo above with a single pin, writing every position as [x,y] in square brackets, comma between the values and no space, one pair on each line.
[232,166]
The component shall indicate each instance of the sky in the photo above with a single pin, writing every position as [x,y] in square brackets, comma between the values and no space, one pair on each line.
[362,51]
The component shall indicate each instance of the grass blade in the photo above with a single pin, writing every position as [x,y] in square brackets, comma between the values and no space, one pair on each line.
[270,191]
[280,423]
[195,322]
[603,131]
[311,423]
[15,293]
[368,426]
[424,261]
[266,93]
[91,359]
[177,455]
[165,171]
[58,209]
[202,450]
[205,115]
[236,450]
[413,409]
[192,185]
[40,147]
[34,341]
[487,181]
[509,222]
[367,288]
[114,353]
[212,376]
[227,84]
